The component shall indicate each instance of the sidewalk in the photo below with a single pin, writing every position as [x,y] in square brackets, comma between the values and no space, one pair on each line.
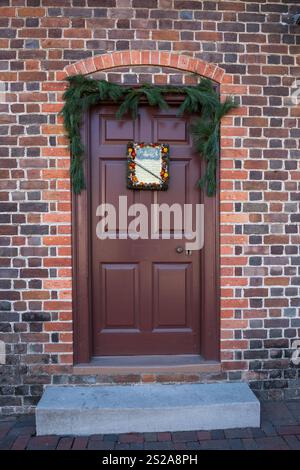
[280,429]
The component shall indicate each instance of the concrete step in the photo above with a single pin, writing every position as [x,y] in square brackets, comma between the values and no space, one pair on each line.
[85,410]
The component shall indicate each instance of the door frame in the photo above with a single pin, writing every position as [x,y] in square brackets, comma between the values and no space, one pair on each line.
[82,269]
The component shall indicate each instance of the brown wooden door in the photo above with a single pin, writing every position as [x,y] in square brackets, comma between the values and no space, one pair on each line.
[146,297]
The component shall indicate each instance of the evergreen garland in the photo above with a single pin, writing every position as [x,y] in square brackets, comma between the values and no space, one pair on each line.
[202,98]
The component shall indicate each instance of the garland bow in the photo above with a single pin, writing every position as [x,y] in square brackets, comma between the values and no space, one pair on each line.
[201,99]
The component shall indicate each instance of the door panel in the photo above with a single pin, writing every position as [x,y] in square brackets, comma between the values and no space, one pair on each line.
[146,297]
[172,128]
[126,277]
[172,296]
[112,131]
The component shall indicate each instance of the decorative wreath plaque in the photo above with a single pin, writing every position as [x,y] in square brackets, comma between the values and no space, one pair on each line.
[148,166]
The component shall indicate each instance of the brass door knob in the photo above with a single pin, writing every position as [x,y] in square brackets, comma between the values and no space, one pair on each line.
[179,249]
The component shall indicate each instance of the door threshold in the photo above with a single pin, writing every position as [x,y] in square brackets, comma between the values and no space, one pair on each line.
[185,363]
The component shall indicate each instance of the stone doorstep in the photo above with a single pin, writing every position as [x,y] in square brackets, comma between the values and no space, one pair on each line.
[115,409]
[169,365]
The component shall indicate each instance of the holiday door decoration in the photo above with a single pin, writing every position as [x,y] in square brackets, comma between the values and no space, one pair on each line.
[148,166]
[202,100]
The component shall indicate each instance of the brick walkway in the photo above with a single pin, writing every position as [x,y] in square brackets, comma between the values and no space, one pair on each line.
[280,429]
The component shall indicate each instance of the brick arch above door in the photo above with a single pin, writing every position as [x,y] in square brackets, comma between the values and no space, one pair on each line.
[144,57]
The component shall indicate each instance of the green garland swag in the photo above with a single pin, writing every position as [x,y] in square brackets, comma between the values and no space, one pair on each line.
[202,98]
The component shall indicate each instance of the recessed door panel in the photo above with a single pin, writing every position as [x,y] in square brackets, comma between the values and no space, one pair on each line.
[171,128]
[113,130]
[120,296]
[171,296]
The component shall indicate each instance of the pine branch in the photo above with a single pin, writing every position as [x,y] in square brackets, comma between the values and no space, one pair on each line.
[201,99]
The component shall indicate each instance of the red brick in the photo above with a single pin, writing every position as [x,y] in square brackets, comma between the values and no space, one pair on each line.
[203,435]
[165,35]
[20,443]
[80,443]
[43,443]
[131,438]
[65,443]
[31,12]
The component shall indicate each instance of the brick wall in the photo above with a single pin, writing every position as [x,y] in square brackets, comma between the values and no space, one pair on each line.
[260,260]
